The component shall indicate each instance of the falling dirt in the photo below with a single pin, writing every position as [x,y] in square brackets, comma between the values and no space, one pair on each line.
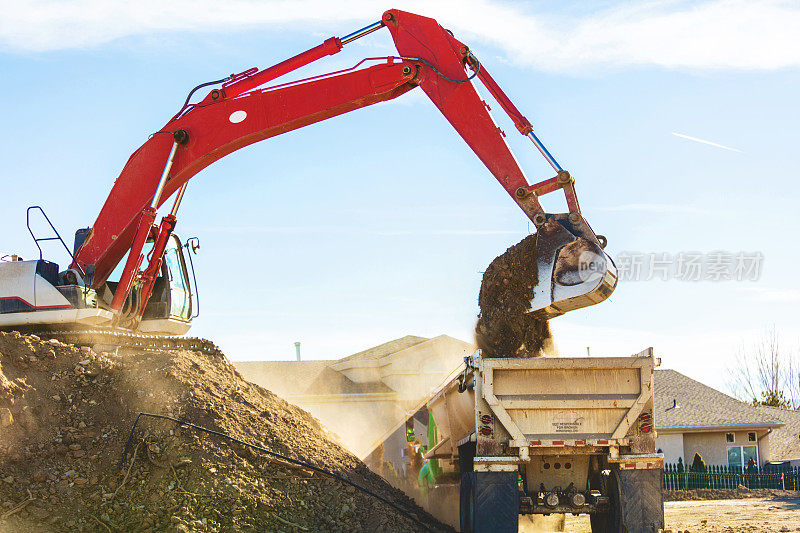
[505,328]
[66,412]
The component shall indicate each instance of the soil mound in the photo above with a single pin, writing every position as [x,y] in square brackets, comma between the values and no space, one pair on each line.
[505,328]
[66,412]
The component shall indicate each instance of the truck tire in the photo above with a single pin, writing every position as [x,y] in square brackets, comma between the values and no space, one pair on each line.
[610,521]
[466,509]
[466,457]
[636,503]
[489,502]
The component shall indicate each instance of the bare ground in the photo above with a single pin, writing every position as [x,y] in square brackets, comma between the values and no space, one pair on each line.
[752,515]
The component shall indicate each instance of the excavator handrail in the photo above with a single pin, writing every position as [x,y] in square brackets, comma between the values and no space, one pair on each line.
[57,237]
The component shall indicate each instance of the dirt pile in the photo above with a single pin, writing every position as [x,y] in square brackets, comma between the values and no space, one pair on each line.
[505,328]
[66,412]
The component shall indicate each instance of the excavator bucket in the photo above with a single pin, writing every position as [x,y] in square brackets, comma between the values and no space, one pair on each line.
[573,269]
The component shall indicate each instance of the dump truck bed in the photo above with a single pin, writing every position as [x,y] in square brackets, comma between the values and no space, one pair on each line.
[552,435]
[546,402]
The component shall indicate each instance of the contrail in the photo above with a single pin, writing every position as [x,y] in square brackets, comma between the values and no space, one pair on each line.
[695,139]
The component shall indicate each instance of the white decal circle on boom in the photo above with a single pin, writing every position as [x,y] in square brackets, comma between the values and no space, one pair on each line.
[237,116]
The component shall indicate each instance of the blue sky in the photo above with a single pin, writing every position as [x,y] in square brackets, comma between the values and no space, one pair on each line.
[378,224]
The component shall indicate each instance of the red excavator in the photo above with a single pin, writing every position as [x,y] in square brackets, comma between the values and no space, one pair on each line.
[153,295]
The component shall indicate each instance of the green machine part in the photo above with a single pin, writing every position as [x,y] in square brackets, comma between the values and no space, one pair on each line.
[433,439]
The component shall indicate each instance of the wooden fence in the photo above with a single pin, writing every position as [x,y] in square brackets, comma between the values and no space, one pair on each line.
[677,477]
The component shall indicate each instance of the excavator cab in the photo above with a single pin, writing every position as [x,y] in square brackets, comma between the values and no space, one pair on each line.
[169,310]
[172,303]
[36,296]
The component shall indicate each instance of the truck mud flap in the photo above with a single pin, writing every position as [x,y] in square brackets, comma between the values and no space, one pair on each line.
[641,500]
[489,502]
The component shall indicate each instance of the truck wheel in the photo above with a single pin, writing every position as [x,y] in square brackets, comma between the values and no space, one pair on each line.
[466,456]
[610,521]
[636,503]
[466,508]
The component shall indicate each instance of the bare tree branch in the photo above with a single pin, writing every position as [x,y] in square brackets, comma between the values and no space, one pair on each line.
[766,372]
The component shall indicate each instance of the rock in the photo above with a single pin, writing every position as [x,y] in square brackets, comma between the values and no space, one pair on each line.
[6,418]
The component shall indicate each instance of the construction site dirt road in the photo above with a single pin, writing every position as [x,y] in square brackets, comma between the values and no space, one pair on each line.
[754,515]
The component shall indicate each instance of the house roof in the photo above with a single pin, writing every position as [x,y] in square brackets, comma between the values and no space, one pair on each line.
[294,378]
[700,406]
[382,350]
[284,378]
[784,442]
[330,381]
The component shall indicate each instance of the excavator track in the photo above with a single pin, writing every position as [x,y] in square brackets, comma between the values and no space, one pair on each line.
[123,339]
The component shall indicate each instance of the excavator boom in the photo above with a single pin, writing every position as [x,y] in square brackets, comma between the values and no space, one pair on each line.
[240,112]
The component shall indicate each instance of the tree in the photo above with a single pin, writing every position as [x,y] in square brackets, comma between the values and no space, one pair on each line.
[767,373]
[698,464]
[774,398]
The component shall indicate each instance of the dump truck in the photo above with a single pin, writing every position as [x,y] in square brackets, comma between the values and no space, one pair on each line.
[551,435]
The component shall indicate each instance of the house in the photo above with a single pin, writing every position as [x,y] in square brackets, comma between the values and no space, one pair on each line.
[366,398]
[784,442]
[694,418]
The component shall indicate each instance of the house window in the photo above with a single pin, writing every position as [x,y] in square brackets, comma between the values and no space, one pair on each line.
[751,437]
[740,456]
[729,438]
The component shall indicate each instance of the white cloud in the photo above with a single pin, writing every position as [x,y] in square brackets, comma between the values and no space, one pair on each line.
[716,34]
[703,141]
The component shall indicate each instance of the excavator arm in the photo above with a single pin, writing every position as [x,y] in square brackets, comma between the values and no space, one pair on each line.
[239,113]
